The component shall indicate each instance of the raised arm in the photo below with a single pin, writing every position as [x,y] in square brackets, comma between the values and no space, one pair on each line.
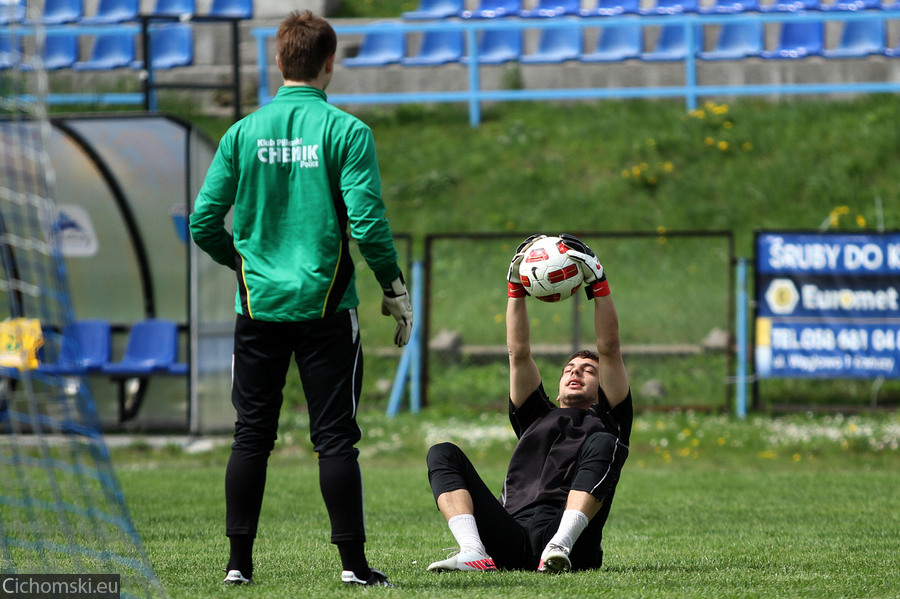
[613,376]
[524,376]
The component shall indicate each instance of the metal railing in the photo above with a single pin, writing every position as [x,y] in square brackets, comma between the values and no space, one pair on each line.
[692,89]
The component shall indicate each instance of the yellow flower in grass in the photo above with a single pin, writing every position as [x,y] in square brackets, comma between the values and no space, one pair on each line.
[722,145]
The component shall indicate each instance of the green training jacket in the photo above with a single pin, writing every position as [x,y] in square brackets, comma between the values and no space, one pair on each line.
[298,174]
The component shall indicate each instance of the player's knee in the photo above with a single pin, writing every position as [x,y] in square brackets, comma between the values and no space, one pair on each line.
[442,453]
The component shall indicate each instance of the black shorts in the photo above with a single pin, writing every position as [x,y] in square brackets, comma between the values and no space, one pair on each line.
[329,358]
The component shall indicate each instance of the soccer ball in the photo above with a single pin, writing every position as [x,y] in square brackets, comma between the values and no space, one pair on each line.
[547,271]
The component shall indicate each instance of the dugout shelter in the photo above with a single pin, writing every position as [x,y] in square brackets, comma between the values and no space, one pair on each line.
[124,187]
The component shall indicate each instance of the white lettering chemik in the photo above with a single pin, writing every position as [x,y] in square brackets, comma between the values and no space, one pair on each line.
[305,155]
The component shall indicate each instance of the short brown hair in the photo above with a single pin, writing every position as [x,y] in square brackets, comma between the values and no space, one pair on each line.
[586,354]
[303,43]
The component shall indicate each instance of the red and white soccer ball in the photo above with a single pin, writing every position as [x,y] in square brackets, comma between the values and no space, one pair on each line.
[548,273]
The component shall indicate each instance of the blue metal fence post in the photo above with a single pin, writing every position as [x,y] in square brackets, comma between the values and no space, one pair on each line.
[690,64]
[411,359]
[741,379]
[474,83]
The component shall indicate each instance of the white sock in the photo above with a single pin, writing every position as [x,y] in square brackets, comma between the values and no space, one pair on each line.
[570,528]
[465,531]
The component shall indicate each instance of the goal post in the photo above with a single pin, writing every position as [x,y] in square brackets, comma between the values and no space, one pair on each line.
[62,510]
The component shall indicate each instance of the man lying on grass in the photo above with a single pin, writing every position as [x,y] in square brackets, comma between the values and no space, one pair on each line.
[563,472]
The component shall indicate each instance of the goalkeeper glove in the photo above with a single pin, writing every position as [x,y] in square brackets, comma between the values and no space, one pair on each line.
[396,303]
[595,283]
[514,286]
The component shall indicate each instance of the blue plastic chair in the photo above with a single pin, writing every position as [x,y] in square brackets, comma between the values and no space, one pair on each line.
[110,51]
[736,41]
[798,40]
[84,347]
[438,47]
[671,7]
[611,8]
[490,9]
[729,7]
[497,46]
[151,350]
[859,39]
[671,44]
[171,46]
[557,44]
[10,51]
[12,11]
[852,5]
[152,347]
[60,51]
[236,9]
[58,12]
[552,8]
[379,48]
[790,6]
[175,8]
[436,9]
[617,43]
[114,11]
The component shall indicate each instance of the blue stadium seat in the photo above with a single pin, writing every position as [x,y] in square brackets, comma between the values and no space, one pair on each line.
[10,51]
[859,39]
[436,9]
[496,46]
[84,347]
[236,9]
[852,5]
[175,8]
[790,6]
[380,48]
[171,46]
[736,41]
[671,7]
[617,43]
[610,8]
[671,44]
[58,12]
[798,40]
[490,9]
[552,8]
[730,7]
[152,347]
[438,47]
[12,11]
[114,11]
[557,44]
[60,51]
[110,51]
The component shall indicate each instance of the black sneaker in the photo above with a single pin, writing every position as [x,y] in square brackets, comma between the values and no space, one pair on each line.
[375,579]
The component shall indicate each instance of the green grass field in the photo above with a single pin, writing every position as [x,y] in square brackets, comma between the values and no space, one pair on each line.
[708,506]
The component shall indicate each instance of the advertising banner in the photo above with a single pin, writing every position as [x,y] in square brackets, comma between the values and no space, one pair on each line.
[827,305]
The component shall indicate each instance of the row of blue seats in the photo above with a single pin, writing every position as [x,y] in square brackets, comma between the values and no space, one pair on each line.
[488,9]
[745,39]
[60,12]
[171,46]
[85,347]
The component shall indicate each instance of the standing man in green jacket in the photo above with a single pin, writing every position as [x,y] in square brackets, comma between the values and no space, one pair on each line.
[297,174]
